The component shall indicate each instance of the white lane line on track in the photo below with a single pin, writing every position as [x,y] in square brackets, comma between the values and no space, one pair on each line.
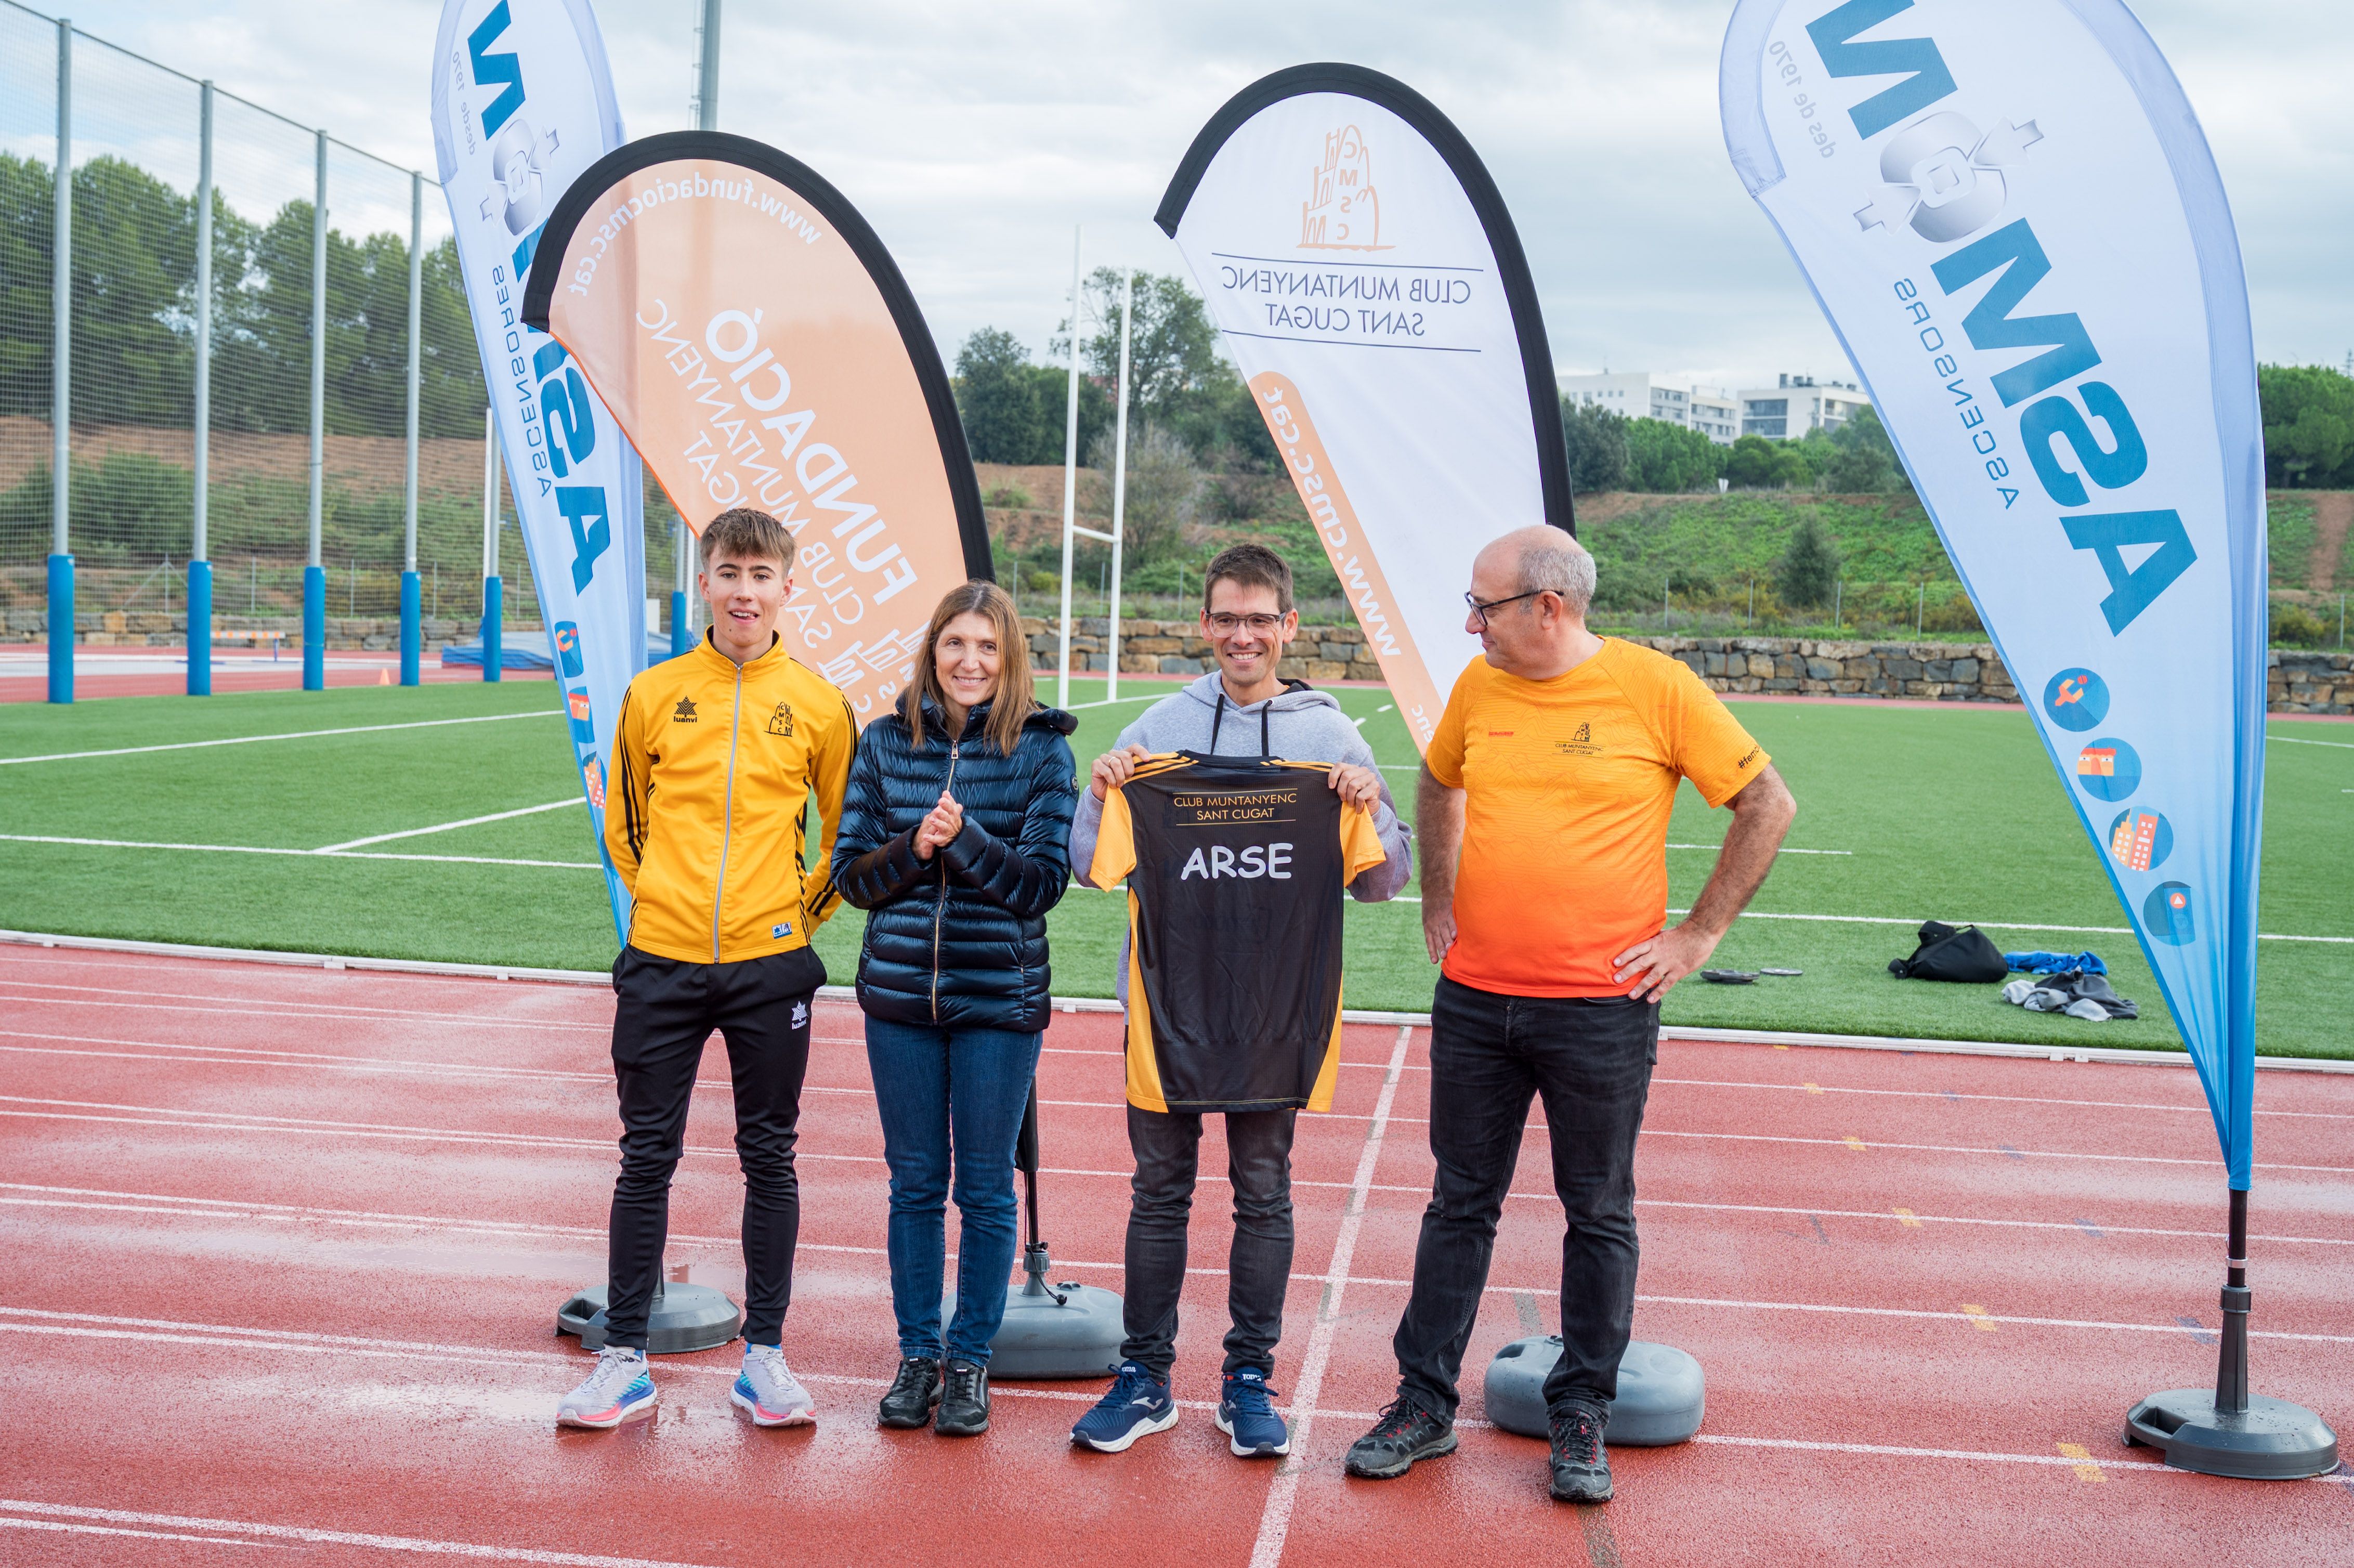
[296,735]
[1275,1519]
[256,1056]
[224,1337]
[1719,1303]
[47,1196]
[299,854]
[445,827]
[242,1121]
[62,1528]
[276,1534]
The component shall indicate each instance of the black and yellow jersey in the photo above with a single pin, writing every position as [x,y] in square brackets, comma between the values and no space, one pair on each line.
[1234,871]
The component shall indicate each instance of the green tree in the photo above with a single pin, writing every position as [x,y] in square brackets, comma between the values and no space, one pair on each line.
[1005,400]
[1809,570]
[1597,446]
[2309,412]
[1669,459]
[1863,460]
[1753,462]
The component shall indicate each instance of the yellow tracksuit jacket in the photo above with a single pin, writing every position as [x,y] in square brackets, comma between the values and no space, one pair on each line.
[706,822]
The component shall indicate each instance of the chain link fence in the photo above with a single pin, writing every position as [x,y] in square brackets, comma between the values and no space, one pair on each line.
[136,142]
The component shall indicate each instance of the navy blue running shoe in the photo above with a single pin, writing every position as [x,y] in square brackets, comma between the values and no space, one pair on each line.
[1136,1405]
[1254,1431]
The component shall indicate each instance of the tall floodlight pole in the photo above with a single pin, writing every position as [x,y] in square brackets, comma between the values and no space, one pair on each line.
[412,587]
[493,603]
[1119,491]
[201,556]
[314,574]
[61,572]
[1070,482]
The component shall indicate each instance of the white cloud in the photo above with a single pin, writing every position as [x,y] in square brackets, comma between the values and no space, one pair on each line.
[973,136]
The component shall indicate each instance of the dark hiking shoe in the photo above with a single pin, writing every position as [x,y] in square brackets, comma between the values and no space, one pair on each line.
[1581,1466]
[913,1394]
[964,1401]
[1405,1432]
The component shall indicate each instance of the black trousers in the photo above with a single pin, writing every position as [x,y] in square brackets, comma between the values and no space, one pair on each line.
[667,1010]
[1259,1266]
[1591,1058]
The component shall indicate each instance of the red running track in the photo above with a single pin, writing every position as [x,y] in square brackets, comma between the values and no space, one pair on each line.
[286,1245]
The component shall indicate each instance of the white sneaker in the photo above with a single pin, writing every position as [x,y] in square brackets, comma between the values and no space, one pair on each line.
[769,1391]
[617,1390]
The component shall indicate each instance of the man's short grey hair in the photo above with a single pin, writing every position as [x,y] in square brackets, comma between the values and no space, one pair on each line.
[1558,565]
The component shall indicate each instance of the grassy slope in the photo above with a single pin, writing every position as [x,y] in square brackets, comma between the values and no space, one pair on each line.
[1951,814]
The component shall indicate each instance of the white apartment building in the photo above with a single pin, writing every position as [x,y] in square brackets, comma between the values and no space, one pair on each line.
[1639,395]
[1796,407]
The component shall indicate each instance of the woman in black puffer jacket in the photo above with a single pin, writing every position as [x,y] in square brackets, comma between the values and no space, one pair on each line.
[955,836]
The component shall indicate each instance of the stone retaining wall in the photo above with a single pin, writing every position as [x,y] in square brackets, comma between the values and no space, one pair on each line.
[153,629]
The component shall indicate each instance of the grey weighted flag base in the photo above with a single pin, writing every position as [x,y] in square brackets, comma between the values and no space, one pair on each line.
[1661,1393]
[684,1318]
[2230,1432]
[1067,1330]
[2271,1440]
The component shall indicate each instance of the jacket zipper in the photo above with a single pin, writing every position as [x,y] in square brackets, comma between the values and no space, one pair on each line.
[940,908]
[727,812]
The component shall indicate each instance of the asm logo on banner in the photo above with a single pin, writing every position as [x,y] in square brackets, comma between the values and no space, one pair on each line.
[2010,216]
[522,103]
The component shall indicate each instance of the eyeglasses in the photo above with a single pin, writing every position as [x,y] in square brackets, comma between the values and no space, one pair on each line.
[1260,625]
[1480,611]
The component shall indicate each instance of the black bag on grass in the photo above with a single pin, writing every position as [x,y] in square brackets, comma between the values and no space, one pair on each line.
[1947,954]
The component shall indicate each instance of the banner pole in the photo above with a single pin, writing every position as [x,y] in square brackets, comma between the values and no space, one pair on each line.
[492,649]
[412,638]
[2232,1354]
[682,635]
[200,555]
[1070,480]
[61,572]
[1119,491]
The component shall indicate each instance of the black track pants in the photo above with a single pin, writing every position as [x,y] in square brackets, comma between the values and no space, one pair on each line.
[666,1013]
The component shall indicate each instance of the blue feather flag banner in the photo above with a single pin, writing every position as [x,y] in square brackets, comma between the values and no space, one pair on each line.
[523,102]
[2011,219]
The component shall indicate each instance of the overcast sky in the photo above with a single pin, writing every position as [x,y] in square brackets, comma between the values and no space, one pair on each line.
[974,135]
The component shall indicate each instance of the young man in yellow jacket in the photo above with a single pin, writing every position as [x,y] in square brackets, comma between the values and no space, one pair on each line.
[720,754]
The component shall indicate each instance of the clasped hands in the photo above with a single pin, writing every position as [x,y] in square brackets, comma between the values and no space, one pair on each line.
[945,821]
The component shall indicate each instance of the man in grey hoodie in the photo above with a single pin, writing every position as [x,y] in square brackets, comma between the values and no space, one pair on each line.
[1245,709]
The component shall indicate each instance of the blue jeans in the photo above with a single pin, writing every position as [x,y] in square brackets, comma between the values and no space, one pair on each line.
[925,1124]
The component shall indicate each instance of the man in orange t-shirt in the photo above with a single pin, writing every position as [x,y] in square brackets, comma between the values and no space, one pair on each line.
[1543,809]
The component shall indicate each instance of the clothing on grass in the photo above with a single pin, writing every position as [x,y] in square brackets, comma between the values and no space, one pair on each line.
[2039,963]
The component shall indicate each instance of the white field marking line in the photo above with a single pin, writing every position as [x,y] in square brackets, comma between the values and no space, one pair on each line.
[1942,1094]
[273,1534]
[307,854]
[1908,920]
[1977,1318]
[2293,740]
[1115,702]
[1386,707]
[1275,1519]
[297,735]
[52,1196]
[445,827]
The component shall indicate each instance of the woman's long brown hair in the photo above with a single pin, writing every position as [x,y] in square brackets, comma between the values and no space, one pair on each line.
[1015,696]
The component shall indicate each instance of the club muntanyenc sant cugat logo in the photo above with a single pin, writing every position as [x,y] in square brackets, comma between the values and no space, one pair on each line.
[1343,209]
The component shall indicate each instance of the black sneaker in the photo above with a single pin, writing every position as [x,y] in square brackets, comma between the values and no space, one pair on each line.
[1581,1466]
[1405,1432]
[913,1394]
[964,1401]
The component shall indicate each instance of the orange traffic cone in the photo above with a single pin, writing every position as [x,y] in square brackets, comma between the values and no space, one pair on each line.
[384,677]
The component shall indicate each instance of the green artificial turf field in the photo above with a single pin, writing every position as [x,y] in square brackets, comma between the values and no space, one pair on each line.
[1952,814]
